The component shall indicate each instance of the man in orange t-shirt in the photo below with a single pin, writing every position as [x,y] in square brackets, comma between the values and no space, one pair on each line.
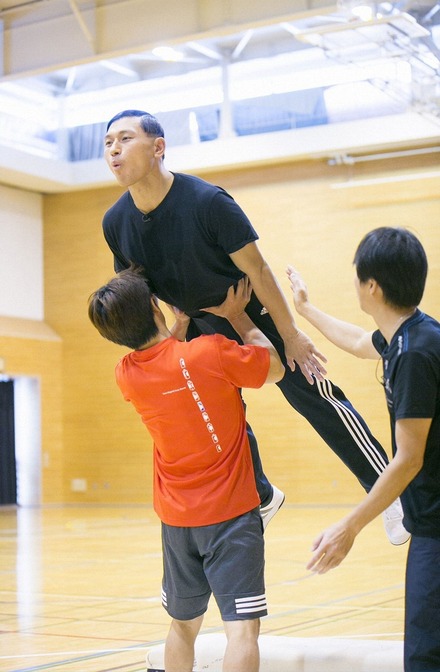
[187,394]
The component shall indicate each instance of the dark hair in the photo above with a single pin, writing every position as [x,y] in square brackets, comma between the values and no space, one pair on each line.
[395,258]
[121,310]
[149,124]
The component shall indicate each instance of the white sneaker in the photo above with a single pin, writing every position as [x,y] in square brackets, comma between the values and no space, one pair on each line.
[267,512]
[392,520]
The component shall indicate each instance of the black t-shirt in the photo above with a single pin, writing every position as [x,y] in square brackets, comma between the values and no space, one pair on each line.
[411,378]
[184,244]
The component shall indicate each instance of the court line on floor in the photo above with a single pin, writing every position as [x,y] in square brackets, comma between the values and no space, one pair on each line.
[79,656]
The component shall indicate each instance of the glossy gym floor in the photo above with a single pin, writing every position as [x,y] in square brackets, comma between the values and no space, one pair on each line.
[80,586]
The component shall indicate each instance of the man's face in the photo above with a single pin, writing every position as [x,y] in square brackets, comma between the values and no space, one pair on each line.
[130,153]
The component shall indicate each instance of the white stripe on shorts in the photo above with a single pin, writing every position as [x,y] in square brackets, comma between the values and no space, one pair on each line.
[248,605]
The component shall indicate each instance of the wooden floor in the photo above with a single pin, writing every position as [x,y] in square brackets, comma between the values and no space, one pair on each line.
[80,586]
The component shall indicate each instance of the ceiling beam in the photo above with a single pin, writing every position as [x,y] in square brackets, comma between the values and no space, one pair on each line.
[54,39]
[88,34]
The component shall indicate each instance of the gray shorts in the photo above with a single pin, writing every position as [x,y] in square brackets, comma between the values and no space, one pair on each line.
[225,559]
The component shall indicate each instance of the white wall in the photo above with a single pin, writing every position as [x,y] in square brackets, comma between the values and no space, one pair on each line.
[27,440]
[21,254]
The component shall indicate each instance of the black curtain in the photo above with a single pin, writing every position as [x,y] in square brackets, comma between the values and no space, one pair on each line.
[8,472]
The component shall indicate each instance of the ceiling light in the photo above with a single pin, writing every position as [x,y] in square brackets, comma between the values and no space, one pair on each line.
[361,9]
[363,12]
[168,54]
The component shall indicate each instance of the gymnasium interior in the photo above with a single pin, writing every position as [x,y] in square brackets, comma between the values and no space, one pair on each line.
[322,120]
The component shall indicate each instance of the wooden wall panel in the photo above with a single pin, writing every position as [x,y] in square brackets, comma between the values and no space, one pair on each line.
[303,217]
[104,443]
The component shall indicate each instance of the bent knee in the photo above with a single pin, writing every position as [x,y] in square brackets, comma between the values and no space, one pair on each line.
[191,626]
[245,630]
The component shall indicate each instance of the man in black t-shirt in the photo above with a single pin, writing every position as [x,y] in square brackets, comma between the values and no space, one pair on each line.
[194,241]
[391,269]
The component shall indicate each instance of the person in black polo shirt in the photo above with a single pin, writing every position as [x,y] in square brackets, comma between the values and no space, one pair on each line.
[391,270]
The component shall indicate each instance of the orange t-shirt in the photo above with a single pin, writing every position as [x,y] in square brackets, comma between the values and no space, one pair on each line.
[187,395]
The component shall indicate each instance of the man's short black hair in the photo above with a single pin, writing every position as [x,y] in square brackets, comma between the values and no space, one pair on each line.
[148,122]
[395,258]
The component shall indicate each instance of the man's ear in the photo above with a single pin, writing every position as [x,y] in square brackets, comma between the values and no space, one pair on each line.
[159,146]
[374,288]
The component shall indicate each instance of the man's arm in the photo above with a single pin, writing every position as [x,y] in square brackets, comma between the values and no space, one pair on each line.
[232,309]
[348,337]
[332,545]
[298,346]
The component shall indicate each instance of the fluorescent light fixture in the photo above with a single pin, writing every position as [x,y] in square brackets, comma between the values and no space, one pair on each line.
[168,54]
[361,9]
[364,12]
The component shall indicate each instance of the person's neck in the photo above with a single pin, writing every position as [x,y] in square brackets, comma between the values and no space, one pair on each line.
[149,194]
[391,321]
[162,335]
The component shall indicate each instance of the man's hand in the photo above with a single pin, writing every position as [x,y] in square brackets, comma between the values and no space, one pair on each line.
[331,547]
[235,302]
[300,349]
[179,315]
[299,288]
[180,326]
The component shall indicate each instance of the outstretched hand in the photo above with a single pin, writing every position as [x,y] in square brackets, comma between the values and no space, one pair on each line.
[300,348]
[236,301]
[299,288]
[330,547]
